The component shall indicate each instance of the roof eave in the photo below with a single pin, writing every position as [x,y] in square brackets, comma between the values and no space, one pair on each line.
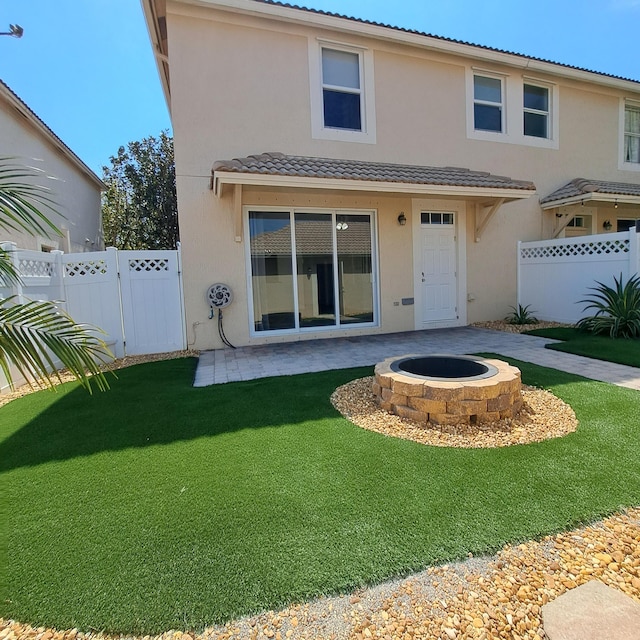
[591,197]
[26,112]
[382,32]
[154,11]
[220,178]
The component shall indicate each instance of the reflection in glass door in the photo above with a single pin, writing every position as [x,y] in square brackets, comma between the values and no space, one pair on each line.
[314,261]
[297,269]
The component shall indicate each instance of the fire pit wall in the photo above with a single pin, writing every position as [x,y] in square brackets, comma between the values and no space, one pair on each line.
[451,401]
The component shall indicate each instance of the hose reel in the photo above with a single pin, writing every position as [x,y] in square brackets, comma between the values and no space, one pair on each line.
[219,296]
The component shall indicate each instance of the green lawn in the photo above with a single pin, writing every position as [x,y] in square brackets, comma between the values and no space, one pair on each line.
[157,505]
[619,350]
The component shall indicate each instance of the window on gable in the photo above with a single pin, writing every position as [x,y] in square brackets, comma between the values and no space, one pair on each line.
[536,111]
[488,105]
[632,133]
[341,90]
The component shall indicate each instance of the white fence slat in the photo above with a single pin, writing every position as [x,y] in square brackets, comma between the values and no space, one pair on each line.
[135,297]
[554,275]
[93,295]
[151,301]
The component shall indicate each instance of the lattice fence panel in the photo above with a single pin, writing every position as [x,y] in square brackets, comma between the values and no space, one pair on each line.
[148,264]
[88,268]
[30,267]
[600,248]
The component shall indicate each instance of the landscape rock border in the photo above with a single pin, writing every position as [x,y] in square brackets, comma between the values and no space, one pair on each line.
[544,416]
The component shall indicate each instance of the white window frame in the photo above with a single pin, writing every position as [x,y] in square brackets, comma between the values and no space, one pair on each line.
[623,164]
[501,105]
[375,271]
[367,93]
[538,112]
[513,110]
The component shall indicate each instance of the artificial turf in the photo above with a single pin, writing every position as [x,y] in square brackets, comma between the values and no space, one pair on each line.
[601,347]
[157,505]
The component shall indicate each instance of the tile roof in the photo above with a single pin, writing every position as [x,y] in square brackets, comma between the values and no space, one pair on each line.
[288,5]
[583,187]
[314,238]
[279,164]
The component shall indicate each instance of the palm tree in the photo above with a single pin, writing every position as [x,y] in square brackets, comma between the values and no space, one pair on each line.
[35,333]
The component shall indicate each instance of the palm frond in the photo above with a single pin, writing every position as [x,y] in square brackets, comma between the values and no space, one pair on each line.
[33,334]
[8,273]
[21,197]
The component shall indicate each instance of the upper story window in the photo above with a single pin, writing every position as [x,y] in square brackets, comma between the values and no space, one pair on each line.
[342,92]
[341,89]
[488,104]
[536,111]
[511,108]
[631,151]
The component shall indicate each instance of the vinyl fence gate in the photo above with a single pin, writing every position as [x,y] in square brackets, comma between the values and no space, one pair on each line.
[135,297]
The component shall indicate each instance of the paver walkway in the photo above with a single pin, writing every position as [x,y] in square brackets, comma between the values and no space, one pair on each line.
[249,363]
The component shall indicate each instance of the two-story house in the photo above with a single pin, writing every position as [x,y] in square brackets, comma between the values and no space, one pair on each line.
[346,177]
[74,188]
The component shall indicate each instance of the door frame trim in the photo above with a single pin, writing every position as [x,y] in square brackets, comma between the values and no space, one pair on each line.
[459,208]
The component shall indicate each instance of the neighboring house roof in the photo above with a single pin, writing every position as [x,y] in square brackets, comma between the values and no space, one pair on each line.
[315,238]
[155,14]
[15,102]
[349,171]
[582,190]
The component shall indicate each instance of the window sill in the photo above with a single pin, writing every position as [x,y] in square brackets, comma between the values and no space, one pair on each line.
[629,166]
[343,135]
[505,138]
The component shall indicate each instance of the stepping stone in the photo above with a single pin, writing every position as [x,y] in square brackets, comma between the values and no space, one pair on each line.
[592,611]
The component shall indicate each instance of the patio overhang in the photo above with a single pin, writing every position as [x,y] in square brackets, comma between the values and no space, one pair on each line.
[487,191]
[581,191]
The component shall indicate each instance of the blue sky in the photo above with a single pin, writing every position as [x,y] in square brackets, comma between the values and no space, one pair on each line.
[86,66]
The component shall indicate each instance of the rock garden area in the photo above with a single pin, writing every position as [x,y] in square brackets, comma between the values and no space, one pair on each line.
[498,596]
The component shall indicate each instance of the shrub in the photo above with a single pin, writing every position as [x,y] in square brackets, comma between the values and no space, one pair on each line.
[617,309]
[521,315]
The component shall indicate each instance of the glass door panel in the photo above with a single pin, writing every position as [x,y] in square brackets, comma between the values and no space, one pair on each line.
[355,268]
[315,272]
[271,270]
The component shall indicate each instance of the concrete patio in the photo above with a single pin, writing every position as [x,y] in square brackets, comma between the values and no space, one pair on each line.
[290,358]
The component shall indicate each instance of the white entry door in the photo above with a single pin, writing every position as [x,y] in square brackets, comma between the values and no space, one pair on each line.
[438,268]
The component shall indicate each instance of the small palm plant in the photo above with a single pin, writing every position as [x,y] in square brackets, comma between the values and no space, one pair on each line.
[521,315]
[617,309]
[34,333]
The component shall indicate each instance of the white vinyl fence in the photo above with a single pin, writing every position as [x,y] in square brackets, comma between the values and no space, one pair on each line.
[554,275]
[135,297]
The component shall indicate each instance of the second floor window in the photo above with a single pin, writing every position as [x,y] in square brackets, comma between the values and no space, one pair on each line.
[536,111]
[341,90]
[632,134]
[488,107]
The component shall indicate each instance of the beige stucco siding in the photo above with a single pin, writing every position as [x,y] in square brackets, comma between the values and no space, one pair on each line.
[241,86]
[77,197]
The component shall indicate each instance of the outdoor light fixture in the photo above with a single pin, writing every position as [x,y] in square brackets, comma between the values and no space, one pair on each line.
[402,219]
[15,30]
[615,205]
[606,225]
[342,226]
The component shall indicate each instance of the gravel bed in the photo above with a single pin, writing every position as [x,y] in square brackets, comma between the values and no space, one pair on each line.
[544,416]
[503,325]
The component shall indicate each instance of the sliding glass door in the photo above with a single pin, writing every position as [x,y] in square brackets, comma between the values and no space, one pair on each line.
[311,270]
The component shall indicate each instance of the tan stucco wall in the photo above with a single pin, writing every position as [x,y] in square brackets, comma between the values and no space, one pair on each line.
[240,86]
[77,198]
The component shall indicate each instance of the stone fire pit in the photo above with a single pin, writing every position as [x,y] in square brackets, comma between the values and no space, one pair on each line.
[448,389]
